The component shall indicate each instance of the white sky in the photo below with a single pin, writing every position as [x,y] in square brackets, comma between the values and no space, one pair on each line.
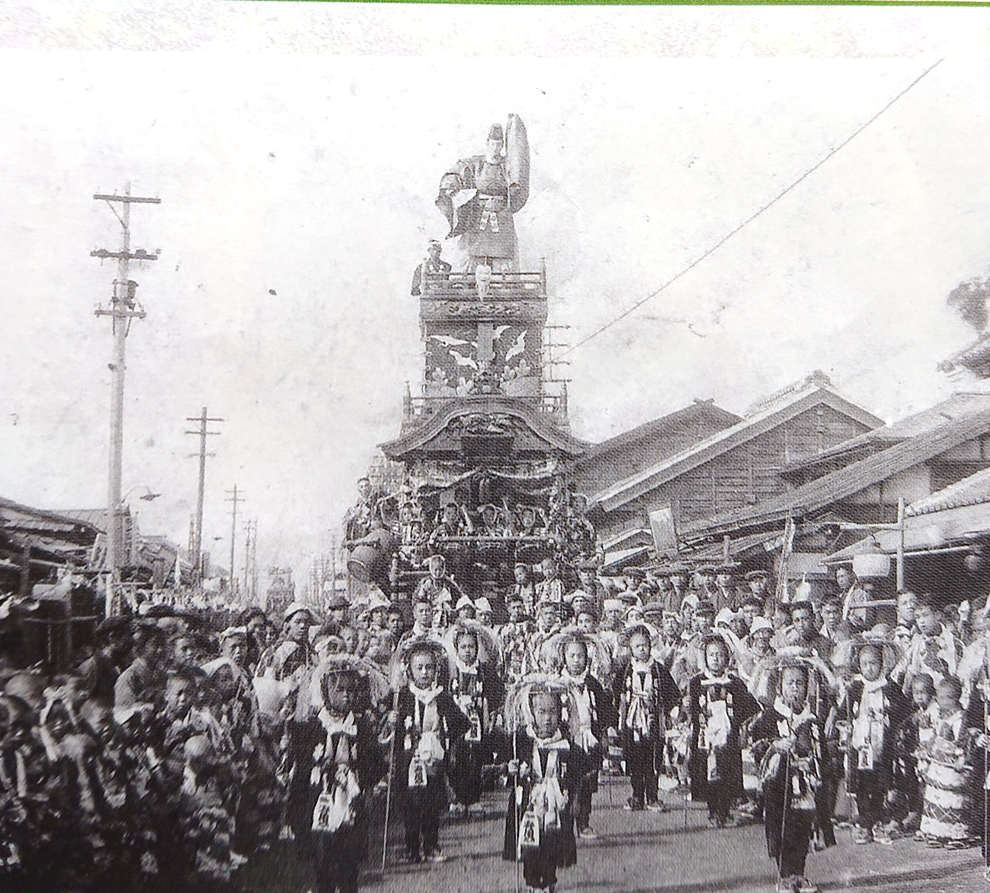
[299,147]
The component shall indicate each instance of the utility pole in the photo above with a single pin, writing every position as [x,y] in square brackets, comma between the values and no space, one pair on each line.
[123,308]
[233,533]
[250,531]
[202,434]
[254,561]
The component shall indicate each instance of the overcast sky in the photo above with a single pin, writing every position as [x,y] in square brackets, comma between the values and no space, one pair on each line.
[298,149]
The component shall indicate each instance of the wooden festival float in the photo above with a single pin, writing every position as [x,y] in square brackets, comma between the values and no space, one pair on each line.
[481,466]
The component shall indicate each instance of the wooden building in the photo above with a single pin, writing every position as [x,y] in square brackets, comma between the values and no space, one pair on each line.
[737,467]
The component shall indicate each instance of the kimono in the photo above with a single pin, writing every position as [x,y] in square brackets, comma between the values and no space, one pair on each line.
[541,805]
[337,761]
[478,694]
[594,715]
[874,711]
[942,763]
[645,693]
[794,785]
[937,655]
[718,706]
[429,723]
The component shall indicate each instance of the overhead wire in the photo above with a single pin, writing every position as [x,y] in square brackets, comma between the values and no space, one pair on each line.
[712,249]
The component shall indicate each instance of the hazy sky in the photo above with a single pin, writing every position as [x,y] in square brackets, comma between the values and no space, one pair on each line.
[298,148]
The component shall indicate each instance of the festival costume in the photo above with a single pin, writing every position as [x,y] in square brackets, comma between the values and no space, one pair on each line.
[337,761]
[429,722]
[645,693]
[874,710]
[477,691]
[943,752]
[550,773]
[593,715]
[794,785]
[718,706]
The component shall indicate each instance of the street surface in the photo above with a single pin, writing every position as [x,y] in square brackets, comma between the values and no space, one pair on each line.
[675,852]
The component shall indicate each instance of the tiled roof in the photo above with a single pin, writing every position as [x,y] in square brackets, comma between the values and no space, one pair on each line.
[973,490]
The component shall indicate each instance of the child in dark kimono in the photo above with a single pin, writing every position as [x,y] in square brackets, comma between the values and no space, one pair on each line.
[718,704]
[593,715]
[788,743]
[645,693]
[545,769]
[875,707]
[337,762]
[477,691]
[428,724]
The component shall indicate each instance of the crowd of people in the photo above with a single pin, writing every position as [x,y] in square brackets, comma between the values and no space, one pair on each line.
[183,744]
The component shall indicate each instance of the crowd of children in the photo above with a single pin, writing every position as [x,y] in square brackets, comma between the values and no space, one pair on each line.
[183,744]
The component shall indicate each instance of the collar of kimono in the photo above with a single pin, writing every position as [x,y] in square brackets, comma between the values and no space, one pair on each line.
[462,667]
[873,686]
[642,666]
[336,725]
[579,680]
[555,742]
[793,719]
[712,679]
[425,696]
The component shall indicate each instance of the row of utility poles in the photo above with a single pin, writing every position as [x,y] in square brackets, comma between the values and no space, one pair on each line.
[124,308]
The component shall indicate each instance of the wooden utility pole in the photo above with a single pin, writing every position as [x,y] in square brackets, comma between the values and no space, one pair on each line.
[203,419]
[234,499]
[250,531]
[123,308]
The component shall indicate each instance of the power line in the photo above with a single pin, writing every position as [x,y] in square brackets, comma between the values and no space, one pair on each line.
[634,307]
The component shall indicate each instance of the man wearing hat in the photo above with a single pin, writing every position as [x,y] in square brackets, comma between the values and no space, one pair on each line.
[589,583]
[703,582]
[465,608]
[724,594]
[432,264]
[692,660]
[759,582]
[635,579]
[337,609]
[294,651]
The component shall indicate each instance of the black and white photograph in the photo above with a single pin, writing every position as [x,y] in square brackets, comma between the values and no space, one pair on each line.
[517,448]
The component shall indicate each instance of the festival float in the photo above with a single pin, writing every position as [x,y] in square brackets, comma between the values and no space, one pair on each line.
[481,465]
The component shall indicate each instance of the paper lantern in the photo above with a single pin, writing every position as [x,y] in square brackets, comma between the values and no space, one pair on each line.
[871,565]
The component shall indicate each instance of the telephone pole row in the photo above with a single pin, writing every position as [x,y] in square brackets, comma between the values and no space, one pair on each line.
[234,499]
[204,419]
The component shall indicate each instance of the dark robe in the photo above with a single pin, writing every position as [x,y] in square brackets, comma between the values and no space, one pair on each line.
[722,782]
[795,787]
[558,847]
[480,695]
